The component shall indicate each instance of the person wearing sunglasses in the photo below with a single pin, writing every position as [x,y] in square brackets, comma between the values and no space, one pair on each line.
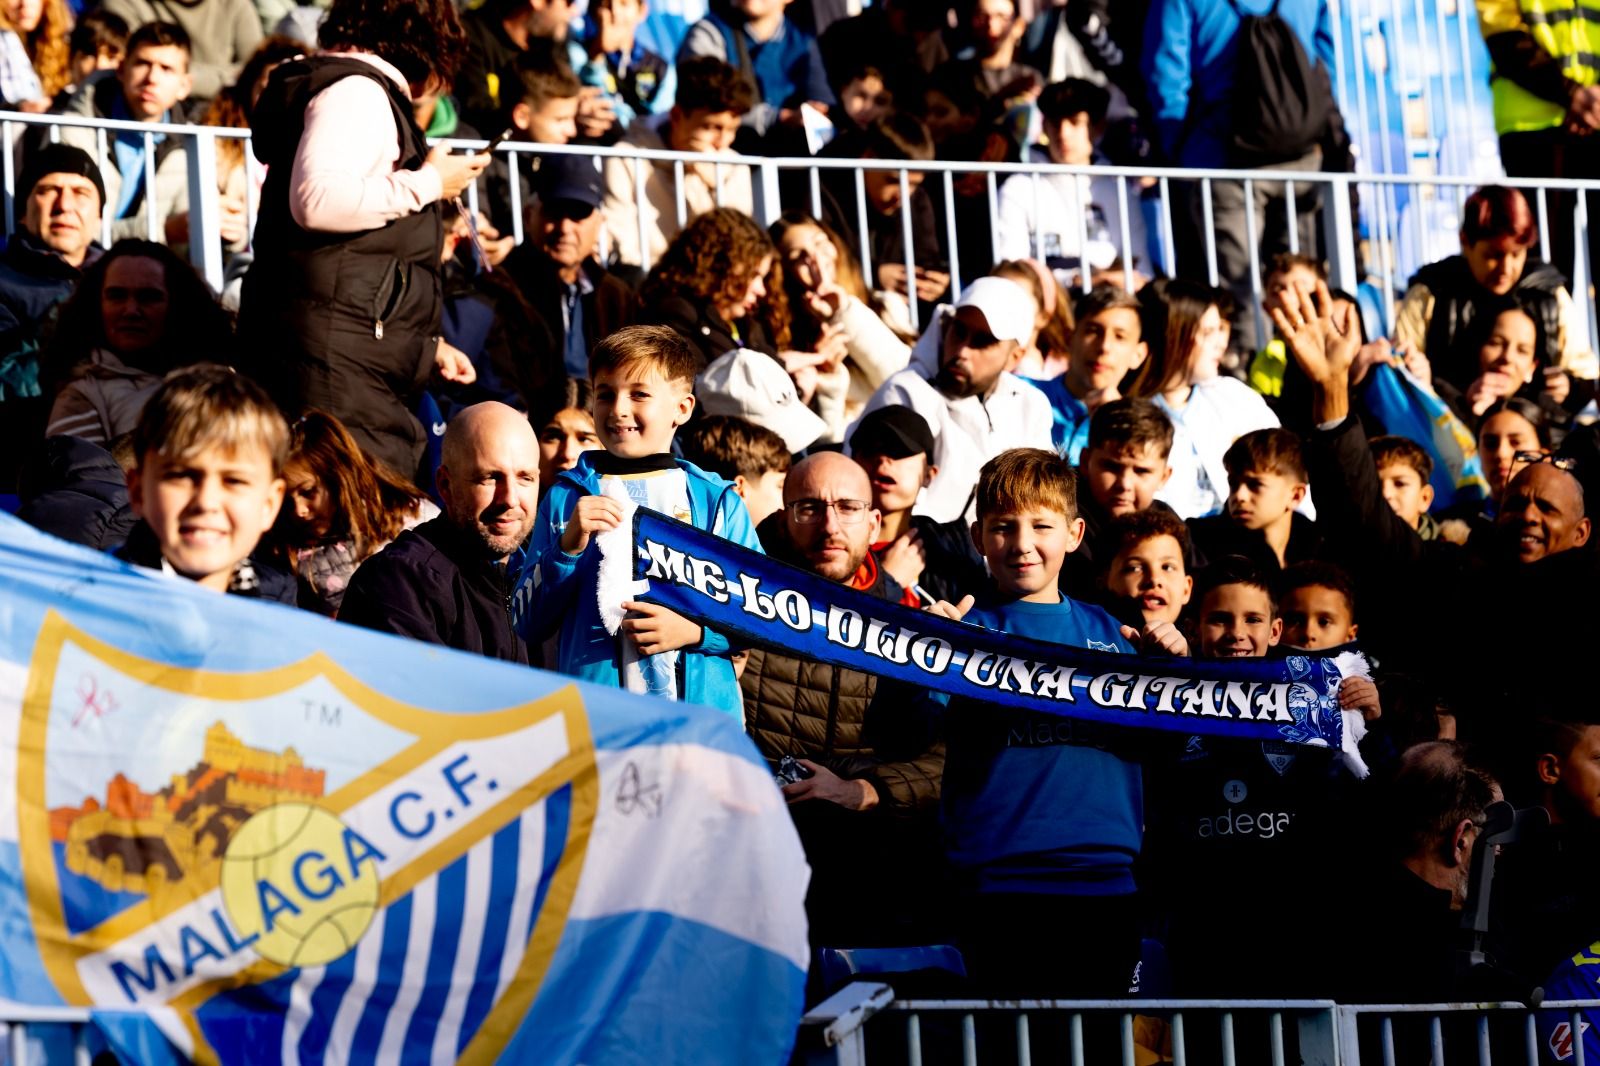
[973,403]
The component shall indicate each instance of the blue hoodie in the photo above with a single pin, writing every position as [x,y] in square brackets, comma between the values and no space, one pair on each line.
[558,590]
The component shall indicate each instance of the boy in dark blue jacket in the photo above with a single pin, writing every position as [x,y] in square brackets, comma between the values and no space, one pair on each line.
[643,379]
[1043,815]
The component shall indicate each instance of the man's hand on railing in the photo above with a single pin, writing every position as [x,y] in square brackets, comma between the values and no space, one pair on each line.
[455,172]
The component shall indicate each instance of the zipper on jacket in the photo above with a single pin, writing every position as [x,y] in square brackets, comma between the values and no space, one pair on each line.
[833,712]
[393,304]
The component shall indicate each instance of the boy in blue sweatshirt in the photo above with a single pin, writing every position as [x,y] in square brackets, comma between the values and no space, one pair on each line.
[643,378]
[1043,815]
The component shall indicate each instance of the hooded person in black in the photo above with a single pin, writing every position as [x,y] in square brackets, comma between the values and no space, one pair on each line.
[342,306]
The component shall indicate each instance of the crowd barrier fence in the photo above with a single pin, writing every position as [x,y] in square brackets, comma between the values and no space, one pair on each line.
[863,1024]
[1160,193]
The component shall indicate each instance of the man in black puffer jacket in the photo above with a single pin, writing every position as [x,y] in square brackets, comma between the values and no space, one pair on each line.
[875,757]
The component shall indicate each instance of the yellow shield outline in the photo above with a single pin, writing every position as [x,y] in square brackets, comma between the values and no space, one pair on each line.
[431,730]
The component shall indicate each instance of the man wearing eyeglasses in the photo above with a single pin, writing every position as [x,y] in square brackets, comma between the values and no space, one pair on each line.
[873,760]
[973,403]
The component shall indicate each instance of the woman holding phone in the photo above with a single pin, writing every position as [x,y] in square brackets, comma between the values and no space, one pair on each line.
[342,304]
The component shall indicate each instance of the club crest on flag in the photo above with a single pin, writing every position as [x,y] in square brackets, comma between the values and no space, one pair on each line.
[196,839]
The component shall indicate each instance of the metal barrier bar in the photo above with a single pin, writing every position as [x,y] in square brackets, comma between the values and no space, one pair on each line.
[1253,244]
[1038,222]
[514,190]
[1126,235]
[1126,1027]
[1080,220]
[950,229]
[1169,245]
[151,223]
[8,169]
[680,199]
[1379,190]
[969,1041]
[912,298]
[1024,1043]
[994,212]
[1584,257]
[205,217]
[1076,1038]
[1291,216]
[1208,224]
[914,1039]
[861,231]
[638,215]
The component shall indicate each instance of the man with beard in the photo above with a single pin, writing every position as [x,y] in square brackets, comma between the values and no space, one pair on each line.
[974,405]
[450,581]
[578,299]
[870,751]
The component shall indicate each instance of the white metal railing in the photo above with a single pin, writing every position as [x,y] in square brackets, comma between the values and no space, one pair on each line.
[1171,190]
[1279,1032]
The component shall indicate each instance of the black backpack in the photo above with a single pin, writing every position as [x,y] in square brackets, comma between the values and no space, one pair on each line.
[1281,100]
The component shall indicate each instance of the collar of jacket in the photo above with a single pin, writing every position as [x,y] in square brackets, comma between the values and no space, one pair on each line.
[30,255]
[467,552]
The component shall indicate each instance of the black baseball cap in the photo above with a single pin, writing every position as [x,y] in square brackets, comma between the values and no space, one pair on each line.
[897,432]
[572,178]
[60,159]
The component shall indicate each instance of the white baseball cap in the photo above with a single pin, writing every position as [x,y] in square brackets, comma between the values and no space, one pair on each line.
[1005,305]
[755,387]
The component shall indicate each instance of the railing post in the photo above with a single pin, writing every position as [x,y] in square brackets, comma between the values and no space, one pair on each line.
[1348,1042]
[841,1017]
[1319,1038]
[767,207]
[1340,235]
[205,236]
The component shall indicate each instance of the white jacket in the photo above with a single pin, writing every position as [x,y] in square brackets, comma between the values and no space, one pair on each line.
[1219,412]
[968,433]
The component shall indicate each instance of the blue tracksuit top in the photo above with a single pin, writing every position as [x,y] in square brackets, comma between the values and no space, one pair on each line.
[557,590]
[1035,802]
[1190,50]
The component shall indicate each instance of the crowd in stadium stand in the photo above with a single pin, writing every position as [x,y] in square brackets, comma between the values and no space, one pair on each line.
[397,415]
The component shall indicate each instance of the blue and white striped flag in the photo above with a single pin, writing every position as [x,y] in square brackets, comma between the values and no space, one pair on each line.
[1408,409]
[242,833]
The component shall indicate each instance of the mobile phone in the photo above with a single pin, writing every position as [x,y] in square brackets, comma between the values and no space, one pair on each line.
[504,136]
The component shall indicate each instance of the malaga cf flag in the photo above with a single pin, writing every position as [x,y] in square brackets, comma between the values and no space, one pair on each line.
[239,833]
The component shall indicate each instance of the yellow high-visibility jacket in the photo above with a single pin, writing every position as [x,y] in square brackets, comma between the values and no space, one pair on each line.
[1540,49]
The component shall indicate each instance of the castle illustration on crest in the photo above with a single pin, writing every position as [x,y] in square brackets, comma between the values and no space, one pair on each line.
[172,840]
